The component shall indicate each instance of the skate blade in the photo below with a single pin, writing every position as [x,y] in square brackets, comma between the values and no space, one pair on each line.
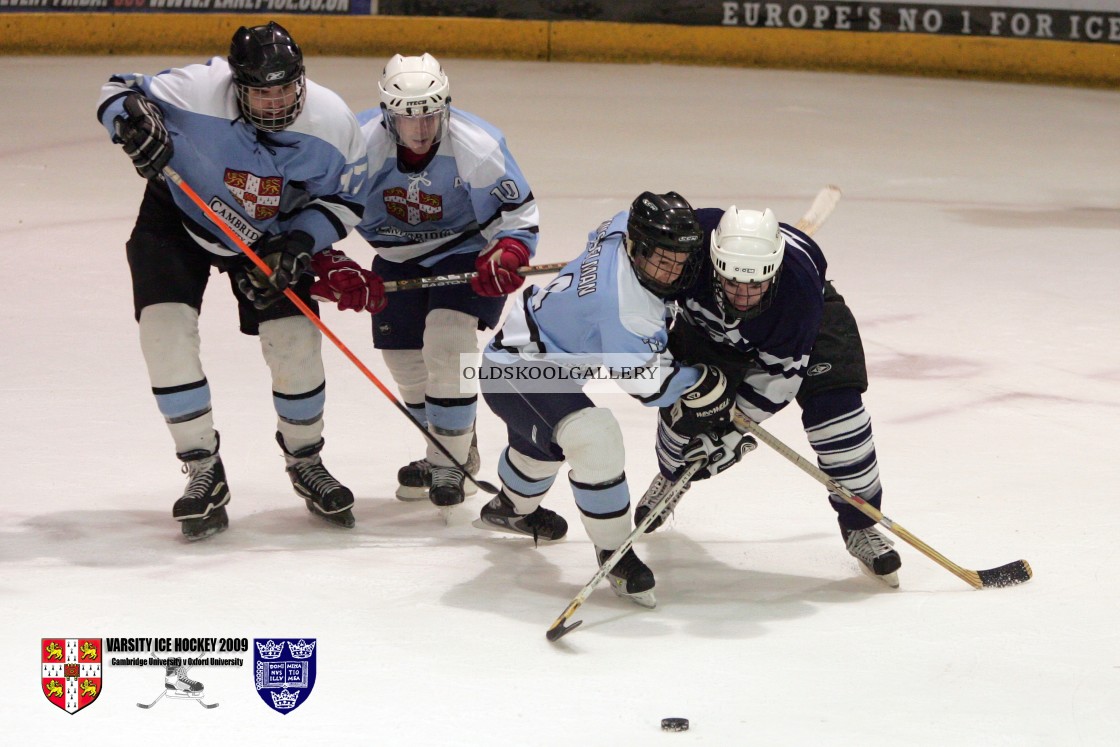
[480,524]
[447,513]
[642,598]
[343,518]
[200,529]
[890,579]
[410,495]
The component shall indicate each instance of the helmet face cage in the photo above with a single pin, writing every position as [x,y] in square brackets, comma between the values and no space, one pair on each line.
[747,248]
[268,76]
[416,100]
[664,242]
[726,296]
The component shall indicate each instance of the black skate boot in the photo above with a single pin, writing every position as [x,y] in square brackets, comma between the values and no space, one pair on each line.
[415,478]
[542,524]
[630,578]
[447,487]
[326,497]
[874,552]
[201,510]
[656,491]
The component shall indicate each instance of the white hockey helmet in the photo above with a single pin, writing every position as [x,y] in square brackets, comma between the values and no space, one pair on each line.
[747,247]
[415,87]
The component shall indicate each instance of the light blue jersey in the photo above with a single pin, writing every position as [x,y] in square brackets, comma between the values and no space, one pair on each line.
[597,313]
[310,177]
[470,194]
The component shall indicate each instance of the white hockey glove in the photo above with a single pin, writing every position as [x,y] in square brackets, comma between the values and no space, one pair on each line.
[719,452]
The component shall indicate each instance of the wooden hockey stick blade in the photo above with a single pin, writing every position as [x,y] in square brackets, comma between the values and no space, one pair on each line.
[458,278]
[558,629]
[823,205]
[1005,575]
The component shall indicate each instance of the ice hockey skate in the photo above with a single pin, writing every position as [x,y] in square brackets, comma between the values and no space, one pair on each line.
[178,686]
[414,480]
[326,497]
[201,509]
[874,552]
[543,525]
[657,490]
[630,578]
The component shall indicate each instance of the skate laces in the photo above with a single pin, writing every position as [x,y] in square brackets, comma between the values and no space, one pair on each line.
[446,477]
[312,473]
[200,476]
[867,544]
[181,675]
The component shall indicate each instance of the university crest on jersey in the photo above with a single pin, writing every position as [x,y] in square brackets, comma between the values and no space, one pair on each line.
[71,671]
[259,195]
[284,671]
[412,205]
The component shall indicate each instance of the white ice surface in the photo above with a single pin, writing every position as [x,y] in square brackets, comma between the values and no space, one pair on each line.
[978,242]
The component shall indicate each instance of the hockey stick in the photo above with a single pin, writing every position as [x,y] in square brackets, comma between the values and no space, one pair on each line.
[823,205]
[1010,574]
[173,175]
[456,278]
[558,629]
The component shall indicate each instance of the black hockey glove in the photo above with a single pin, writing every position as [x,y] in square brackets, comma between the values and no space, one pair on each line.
[719,453]
[143,135]
[288,255]
[704,408]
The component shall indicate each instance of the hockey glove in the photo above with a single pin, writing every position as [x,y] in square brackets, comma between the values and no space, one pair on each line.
[343,281]
[140,130]
[719,453]
[704,408]
[497,268]
[288,255]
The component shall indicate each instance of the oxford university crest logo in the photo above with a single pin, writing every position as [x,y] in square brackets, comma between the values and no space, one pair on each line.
[71,671]
[284,671]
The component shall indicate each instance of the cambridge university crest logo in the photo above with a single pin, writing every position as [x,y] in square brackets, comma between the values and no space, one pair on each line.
[284,671]
[71,671]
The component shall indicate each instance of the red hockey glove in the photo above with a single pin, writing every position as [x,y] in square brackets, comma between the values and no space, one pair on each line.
[497,268]
[342,280]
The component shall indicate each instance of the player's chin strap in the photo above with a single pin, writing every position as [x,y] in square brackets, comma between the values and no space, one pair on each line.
[1005,575]
[558,628]
[173,175]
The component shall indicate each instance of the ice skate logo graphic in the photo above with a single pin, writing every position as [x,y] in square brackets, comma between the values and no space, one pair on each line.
[178,686]
[259,195]
[411,205]
[284,671]
[71,671]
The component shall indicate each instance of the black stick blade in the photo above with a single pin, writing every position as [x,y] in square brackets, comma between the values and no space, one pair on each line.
[1011,574]
[559,630]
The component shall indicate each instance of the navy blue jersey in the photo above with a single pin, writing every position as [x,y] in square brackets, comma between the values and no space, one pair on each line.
[779,340]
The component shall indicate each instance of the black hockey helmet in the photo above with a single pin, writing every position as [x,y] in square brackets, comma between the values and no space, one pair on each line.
[659,227]
[268,72]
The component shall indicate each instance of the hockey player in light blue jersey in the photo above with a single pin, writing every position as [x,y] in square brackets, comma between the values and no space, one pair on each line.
[762,310]
[606,308]
[281,160]
[446,196]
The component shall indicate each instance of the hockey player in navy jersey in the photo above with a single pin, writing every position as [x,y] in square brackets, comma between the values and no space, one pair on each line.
[281,160]
[446,196]
[605,308]
[762,310]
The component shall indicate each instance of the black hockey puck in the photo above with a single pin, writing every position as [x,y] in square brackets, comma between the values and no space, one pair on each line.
[674,724]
